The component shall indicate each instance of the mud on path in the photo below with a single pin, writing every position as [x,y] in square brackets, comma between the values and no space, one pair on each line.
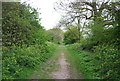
[57,67]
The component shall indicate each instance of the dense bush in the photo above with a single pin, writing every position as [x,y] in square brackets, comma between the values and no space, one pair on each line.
[20,24]
[17,59]
[84,61]
[102,64]
[106,59]
[25,43]
[71,35]
[99,37]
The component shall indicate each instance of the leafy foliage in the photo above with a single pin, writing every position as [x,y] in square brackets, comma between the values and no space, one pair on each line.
[19,24]
[55,35]
[103,64]
[25,43]
[71,35]
[17,59]
[107,58]
[84,61]
[101,61]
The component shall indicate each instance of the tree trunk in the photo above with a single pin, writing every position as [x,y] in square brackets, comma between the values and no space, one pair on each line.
[79,30]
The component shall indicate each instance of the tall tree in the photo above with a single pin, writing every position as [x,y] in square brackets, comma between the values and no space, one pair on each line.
[71,35]
[19,23]
[82,13]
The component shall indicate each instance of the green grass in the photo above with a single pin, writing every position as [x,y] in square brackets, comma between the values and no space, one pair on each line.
[82,61]
[25,72]
[19,63]
[40,70]
[95,65]
[44,71]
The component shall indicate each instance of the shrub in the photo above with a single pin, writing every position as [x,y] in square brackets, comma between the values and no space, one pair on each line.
[17,59]
[104,63]
[107,61]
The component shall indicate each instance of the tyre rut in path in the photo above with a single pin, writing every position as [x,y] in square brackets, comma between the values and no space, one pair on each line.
[63,72]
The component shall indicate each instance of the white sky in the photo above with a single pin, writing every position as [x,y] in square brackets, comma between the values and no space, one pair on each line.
[49,16]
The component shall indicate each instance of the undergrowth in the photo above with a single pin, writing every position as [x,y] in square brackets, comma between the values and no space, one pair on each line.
[20,62]
[83,61]
[103,63]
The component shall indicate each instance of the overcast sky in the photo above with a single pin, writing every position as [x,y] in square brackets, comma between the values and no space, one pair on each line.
[49,16]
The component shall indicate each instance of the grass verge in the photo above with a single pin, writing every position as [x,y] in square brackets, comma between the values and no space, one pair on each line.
[44,71]
[18,63]
[82,61]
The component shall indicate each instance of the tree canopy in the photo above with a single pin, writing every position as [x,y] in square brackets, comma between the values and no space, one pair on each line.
[55,35]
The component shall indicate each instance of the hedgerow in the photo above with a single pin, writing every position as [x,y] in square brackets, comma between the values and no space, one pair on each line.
[25,43]
[103,63]
[17,59]
[106,59]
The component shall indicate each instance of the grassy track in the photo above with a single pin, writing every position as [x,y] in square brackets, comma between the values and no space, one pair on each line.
[43,71]
[82,61]
[59,66]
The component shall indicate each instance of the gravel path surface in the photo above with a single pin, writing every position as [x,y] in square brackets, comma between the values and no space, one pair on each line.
[63,72]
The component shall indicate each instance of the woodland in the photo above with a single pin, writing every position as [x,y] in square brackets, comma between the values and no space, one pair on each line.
[89,30]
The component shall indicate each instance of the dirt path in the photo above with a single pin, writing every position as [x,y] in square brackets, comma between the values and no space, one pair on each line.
[63,71]
[57,67]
